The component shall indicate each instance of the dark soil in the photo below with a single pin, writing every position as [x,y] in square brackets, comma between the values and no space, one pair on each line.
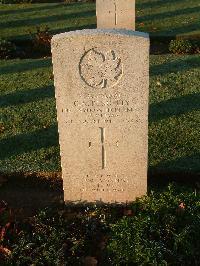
[159,47]
[29,192]
[26,50]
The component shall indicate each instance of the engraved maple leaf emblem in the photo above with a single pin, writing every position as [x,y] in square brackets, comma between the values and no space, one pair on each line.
[101,69]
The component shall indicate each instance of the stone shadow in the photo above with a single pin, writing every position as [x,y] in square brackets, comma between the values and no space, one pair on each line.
[175,106]
[72,28]
[42,8]
[24,10]
[172,32]
[30,192]
[26,142]
[185,162]
[26,96]
[25,38]
[169,14]
[177,65]
[155,4]
[47,19]
[25,66]
[187,171]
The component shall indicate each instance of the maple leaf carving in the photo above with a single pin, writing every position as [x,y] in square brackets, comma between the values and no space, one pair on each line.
[101,69]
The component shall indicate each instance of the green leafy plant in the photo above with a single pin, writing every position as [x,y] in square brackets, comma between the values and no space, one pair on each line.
[160,229]
[164,229]
[196,45]
[181,46]
[57,238]
[7,49]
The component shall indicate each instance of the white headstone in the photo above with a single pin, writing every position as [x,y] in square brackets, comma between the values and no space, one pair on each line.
[101,81]
[115,14]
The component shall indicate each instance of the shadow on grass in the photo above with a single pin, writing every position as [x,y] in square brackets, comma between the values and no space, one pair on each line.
[25,65]
[31,191]
[42,8]
[177,65]
[155,4]
[48,19]
[26,96]
[22,143]
[26,37]
[176,106]
[185,169]
[188,162]
[72,28]
[183,29]
[169,14]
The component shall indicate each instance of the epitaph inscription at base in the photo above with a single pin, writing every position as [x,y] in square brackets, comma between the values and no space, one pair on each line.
[101,80]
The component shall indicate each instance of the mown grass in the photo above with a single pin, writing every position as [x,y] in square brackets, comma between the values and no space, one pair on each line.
[158,17]
[28,127]
[29,140]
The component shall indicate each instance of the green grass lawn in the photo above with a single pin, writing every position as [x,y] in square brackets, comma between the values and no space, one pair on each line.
[28,127]
[159,17]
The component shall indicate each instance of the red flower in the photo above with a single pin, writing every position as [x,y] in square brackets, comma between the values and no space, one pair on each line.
[181,206]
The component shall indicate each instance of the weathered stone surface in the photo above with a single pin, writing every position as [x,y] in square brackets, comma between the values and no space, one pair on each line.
[115,14]
[101,81]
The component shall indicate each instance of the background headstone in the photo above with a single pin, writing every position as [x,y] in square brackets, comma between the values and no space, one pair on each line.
[101,81]
[115,14]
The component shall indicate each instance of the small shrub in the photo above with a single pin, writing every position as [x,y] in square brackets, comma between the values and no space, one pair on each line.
[160,229]
[181,46]
[196,45]
[163,230]
[55,238]
[41,40]
[7,49]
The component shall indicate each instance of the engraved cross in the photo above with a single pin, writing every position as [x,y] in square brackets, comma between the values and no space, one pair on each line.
[115,14]
[115,4]
[103,149]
